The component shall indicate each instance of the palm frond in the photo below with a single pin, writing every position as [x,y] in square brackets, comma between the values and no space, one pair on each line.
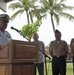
[45,4]
[16,14]
[51,2]
[14,6]
[57,8]
[66,15]
[64,7]
[56,16]
[62,0]
[39,13]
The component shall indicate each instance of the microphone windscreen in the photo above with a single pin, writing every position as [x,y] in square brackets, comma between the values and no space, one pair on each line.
[12,27]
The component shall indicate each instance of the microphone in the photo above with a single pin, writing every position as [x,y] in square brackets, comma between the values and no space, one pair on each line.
[19,32]
[15,29]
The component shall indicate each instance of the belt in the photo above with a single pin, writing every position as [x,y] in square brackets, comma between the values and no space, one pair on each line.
[58,56]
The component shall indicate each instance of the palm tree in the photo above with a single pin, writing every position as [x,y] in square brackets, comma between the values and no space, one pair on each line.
[22,6]
[56,8]
[28,7]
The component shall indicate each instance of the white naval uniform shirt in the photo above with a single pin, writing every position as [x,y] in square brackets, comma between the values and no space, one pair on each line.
[4,37]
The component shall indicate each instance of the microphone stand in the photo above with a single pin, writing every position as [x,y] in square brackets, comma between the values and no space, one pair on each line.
[45,60]
[73,64]
[19,32]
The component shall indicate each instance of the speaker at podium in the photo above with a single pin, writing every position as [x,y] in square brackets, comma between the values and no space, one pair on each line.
[18,57]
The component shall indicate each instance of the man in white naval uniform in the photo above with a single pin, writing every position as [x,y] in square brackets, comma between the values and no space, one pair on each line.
[4,35]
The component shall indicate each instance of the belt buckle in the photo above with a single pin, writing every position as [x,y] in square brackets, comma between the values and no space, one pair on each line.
[58,56]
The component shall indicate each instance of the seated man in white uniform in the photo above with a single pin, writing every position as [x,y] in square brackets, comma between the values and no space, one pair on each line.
[4,35]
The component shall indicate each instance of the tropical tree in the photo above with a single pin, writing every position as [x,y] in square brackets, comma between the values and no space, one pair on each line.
[26,6]
[28,30]
[22,6]
[56,8]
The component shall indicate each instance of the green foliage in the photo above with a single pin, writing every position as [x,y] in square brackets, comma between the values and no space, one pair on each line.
[55,8]
[28,30]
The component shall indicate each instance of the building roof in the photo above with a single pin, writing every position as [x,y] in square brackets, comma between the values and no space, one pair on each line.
[6,1]
[3,4]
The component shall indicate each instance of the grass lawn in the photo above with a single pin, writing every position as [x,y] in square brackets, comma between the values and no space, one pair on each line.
[69,69]
[49,71]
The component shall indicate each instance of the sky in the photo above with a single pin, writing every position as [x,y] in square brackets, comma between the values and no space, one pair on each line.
[45,30]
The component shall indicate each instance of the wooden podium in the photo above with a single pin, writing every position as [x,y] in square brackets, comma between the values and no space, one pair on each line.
[18,57]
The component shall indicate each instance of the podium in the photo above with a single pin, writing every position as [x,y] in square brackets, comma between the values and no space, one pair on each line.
[18,57]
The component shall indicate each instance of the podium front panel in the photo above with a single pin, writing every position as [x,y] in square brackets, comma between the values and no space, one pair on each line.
[17,51]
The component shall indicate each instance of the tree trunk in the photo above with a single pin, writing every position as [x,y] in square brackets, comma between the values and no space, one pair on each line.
[52,23]
[27,17]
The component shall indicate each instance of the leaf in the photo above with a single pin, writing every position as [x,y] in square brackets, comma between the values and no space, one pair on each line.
[29,29]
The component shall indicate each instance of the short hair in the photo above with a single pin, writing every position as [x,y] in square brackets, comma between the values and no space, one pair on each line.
[57,31]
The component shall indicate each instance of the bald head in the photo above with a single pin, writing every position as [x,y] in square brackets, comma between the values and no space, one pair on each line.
[35,37]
